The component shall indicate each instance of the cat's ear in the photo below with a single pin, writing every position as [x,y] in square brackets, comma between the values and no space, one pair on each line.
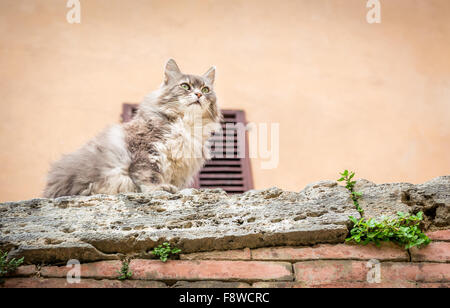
[171,70]
[210,74]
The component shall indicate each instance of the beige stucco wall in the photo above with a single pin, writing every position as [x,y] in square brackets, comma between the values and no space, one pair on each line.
[347,94]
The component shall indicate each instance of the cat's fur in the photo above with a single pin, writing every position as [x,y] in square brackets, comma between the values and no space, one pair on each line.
[163,147]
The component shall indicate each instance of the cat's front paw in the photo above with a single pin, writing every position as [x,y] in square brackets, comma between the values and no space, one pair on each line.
[164,187]
[167,187]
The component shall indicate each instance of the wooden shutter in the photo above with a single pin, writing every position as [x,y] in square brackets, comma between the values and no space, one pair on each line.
[229,171]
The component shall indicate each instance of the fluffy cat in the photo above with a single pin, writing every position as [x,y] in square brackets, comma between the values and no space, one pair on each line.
[162,148]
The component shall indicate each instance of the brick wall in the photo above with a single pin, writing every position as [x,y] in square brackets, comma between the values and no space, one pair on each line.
[325,265]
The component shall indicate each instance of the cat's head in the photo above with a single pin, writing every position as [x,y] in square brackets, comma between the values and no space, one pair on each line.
[183,93]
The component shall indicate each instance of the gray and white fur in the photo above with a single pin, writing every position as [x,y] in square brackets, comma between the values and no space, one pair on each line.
[161,148]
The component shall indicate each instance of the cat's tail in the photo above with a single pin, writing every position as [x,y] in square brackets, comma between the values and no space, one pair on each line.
[63,181]
[99,167]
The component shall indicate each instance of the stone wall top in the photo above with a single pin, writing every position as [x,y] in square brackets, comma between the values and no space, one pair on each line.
[105,227]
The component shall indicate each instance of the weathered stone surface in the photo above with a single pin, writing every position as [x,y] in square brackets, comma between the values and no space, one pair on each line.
[105,227]
[432,198]
[382,200]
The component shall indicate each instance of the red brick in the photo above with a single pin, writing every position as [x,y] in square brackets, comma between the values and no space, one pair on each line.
[243,254]
[284,284]
[418,272]
[209,284]
[396,284]
[334,285]
[84,283]
[103,269]
[441,235]
[210,270]
[387,251]
[323,272]
[24,270]
[442,285]
[313,272]
[434,252]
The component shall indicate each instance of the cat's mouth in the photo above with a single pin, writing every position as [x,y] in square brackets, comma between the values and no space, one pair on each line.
[196,102]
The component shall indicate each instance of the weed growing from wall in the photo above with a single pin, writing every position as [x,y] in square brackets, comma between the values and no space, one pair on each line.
[164,251]
[8,266]
[404,229]
[125,272]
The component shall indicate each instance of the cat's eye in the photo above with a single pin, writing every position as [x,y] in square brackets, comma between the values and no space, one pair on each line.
[205,90]
[185,86]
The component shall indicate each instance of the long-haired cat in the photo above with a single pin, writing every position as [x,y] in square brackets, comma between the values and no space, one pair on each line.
[162,148]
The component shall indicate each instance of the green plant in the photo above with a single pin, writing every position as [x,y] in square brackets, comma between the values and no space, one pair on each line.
[403,229]
[8,265]
[347,177]
[164,251]
[125,272]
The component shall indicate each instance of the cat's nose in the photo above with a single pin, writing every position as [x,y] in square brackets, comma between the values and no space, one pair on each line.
[198,94]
